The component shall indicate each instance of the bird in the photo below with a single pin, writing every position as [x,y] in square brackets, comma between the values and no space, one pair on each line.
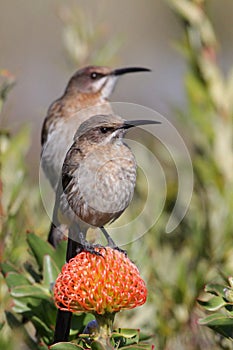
[98,177]
[96,186]
[86,94]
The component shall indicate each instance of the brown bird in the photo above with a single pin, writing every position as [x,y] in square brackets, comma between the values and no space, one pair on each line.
[97,185]
[98,176]
[86,95]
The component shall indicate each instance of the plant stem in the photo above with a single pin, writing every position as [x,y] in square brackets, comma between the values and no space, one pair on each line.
[105,328]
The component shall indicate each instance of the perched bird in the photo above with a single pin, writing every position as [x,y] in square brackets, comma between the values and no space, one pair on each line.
[97,185]
[86,95]
[98,176]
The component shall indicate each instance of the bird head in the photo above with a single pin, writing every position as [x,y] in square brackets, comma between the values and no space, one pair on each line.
[106,128]
[97,79]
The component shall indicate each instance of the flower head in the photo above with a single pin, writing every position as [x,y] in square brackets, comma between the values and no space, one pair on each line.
[105,283]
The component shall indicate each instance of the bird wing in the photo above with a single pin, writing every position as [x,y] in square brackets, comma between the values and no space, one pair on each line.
[70,165]
[54,112]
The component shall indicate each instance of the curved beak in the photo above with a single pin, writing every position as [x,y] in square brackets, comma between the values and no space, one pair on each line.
[133,123]
[126,70]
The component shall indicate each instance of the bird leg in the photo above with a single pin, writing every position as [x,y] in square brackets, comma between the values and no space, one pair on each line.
[110,241]
[77,242]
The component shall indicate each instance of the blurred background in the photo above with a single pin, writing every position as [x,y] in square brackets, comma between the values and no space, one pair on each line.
[33,46]
[33,36]
[34,49]
[188,46]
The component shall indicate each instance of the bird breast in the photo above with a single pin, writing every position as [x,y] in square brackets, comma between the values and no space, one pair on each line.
[102,185]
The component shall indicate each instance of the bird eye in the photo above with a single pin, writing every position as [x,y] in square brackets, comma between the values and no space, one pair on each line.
[104,129]
[93,75]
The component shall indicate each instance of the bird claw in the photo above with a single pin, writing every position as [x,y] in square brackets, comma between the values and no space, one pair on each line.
[121,250]
[90,248]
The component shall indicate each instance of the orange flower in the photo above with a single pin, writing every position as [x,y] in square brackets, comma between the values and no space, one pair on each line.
[105,283]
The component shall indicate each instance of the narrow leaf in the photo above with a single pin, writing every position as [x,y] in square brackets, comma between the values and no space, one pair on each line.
[144,336]
[12,320]
[126,332]
[96,345]
[39,248]
[30,291]
[50,270]
[20,306]
[15,323]
[138,347]
[14,279]
[213,304]
[6,267]
[220,323]
[59,255]
[215,289]
[65,346]
[41,327]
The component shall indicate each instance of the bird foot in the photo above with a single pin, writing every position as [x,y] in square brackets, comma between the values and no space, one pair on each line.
[121,250]
[90,248]
[111,243]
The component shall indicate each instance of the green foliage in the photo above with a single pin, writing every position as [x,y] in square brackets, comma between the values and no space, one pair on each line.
[29,310]
[208,119]
[19,211]
[220,300]
[120,339]
[31,292]
[30,289]
[7,81]
[176,266]
[85,38]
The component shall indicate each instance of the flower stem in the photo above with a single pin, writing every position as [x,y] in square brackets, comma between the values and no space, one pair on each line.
[105,328]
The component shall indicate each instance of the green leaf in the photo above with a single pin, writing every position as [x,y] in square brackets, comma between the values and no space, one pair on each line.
[13,171]
[39,248]
[26,304]
[21,306]
[6,267]
[50,270]
[138,347]
[41,327]
[13,322]
[219,323]
[144,336]
[79,321]
[215,289]
[59,255]
[32,272]
[126,332]
[34,291]
[213,304]
[96,345]
[126,337]
[65,346]
[14,279]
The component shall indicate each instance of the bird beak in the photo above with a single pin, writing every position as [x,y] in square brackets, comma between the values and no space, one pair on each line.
[126,70]
[133,123]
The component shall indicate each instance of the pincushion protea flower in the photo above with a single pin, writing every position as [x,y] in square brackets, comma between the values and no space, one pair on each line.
[101,284]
